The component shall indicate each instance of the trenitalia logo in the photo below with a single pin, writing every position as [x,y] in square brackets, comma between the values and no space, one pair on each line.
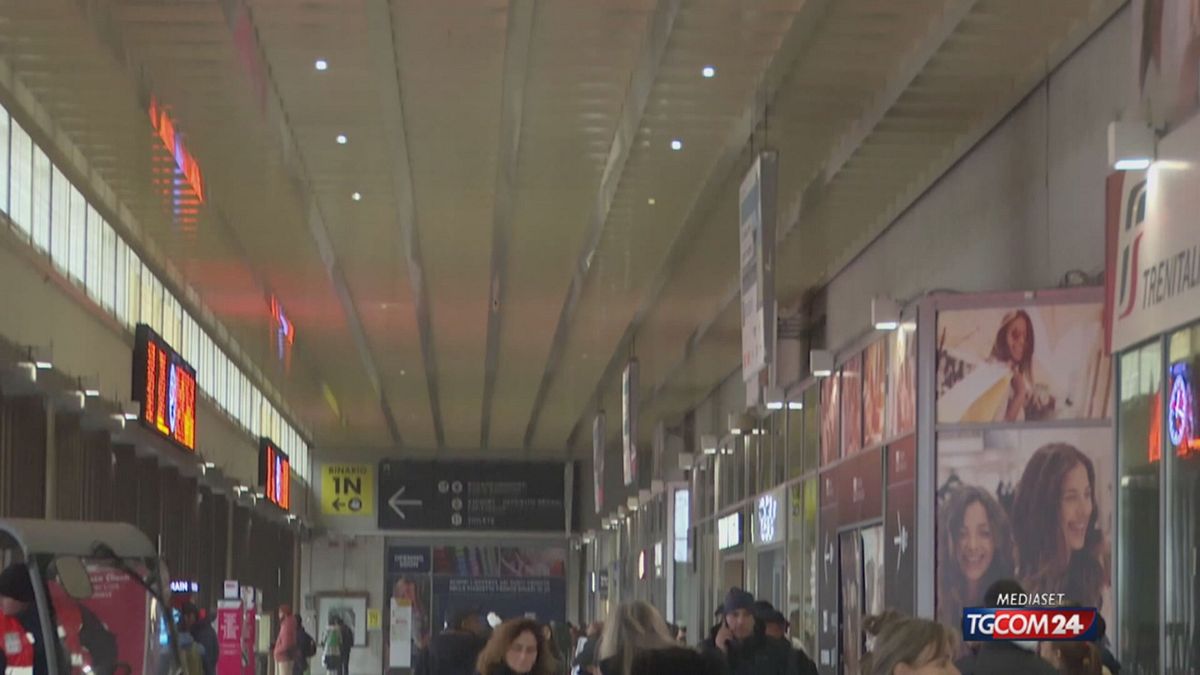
[1132,220]
[988,624]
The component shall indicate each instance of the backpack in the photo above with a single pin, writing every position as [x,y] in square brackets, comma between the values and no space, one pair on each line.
[308,646]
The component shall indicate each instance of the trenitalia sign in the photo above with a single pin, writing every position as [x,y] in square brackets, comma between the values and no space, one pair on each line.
[1153,243]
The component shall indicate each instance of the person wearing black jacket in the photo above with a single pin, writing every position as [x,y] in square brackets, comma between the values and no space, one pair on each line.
[742,645]
[204,635]
[455,650]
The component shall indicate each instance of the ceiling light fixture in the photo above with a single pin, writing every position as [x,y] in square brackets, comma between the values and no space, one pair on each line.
[321,65]
[1131,145]
[652,201]
[43,365]
[708,72]
[357,196]
[676,144]
[341,139]
[91,393]
[885,313]
[820,361]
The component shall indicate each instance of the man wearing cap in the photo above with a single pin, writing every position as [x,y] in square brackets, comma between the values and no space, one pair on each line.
[455,650]
[24,650]
[742,644]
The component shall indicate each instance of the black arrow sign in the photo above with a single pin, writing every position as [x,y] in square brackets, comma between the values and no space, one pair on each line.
[337,504]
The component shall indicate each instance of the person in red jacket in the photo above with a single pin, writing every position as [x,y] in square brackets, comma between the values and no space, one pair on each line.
[24,651]
[286,649]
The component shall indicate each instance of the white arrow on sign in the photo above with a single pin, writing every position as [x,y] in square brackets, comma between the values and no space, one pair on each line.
[900,540]
[396,502]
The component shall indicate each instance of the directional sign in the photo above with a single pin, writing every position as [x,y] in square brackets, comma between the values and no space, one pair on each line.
[347,489]
[497,496]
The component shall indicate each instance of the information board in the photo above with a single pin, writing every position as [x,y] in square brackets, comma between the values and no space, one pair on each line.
[498,496]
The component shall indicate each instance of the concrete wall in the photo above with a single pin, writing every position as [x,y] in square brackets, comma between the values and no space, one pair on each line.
[345,564]
[1022,209]
[39,307]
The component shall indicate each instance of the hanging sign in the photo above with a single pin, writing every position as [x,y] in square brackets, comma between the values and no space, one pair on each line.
[274,473]
[347,489]
[756,212]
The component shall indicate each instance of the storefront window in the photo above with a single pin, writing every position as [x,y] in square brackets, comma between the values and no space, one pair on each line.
[1183,502]
[795,443]
[777,440]
[812,428]
[802,544]
[1139,423]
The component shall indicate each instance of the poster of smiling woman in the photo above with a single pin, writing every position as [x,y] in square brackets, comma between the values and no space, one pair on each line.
[1035,505]
[1019,364]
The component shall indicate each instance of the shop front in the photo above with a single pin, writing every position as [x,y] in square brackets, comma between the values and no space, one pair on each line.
[1153,312]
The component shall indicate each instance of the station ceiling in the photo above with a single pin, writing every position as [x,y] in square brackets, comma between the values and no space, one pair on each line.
[523,222]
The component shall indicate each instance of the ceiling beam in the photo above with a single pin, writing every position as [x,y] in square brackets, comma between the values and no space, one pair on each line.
[381,40]
[293,159]
[512,106]
[641,84]
[793,45]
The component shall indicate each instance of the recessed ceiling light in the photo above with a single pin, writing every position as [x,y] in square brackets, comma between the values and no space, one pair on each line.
[321,64]
[708,71]
[676,144]
[357,196]
[341,139]
[652,201]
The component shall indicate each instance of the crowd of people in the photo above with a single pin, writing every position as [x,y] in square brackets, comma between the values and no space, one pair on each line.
[748,638]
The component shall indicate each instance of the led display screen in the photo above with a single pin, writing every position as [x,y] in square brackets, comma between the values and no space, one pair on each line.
[274,472]
[165,385]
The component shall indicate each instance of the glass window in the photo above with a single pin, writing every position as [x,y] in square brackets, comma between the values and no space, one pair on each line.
[1183,502]
[812,428]
[1139,425]
[78,238]
[60,219]
[777,438]
[133,288]
[108,266]
[122,282]
[21,166]
[147,312]
[802,563]
[93,253]
[795,443]
[40,209]
[5,128]
[156,305]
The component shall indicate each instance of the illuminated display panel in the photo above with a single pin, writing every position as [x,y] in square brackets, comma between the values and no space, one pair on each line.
[165,385]
[275,473]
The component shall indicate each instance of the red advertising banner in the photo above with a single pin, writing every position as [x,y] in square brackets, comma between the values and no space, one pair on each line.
[229,638]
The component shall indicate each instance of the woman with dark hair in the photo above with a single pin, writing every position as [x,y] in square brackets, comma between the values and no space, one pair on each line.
[516,648]
[1013,346]
[1060,548]
[975,548]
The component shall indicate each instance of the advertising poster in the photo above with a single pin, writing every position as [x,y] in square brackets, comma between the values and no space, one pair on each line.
[852,406]
[409,603]
[508,580]
[900,525]
[1030,363]
[851,554]
[831,430]
[229,638]
[902,381]
[249,621]
[1031,504]
[120,603]
[875,365]
[1166,43]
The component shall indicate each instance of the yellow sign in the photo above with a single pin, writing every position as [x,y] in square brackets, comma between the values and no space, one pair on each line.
[374,620]
[348,489]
